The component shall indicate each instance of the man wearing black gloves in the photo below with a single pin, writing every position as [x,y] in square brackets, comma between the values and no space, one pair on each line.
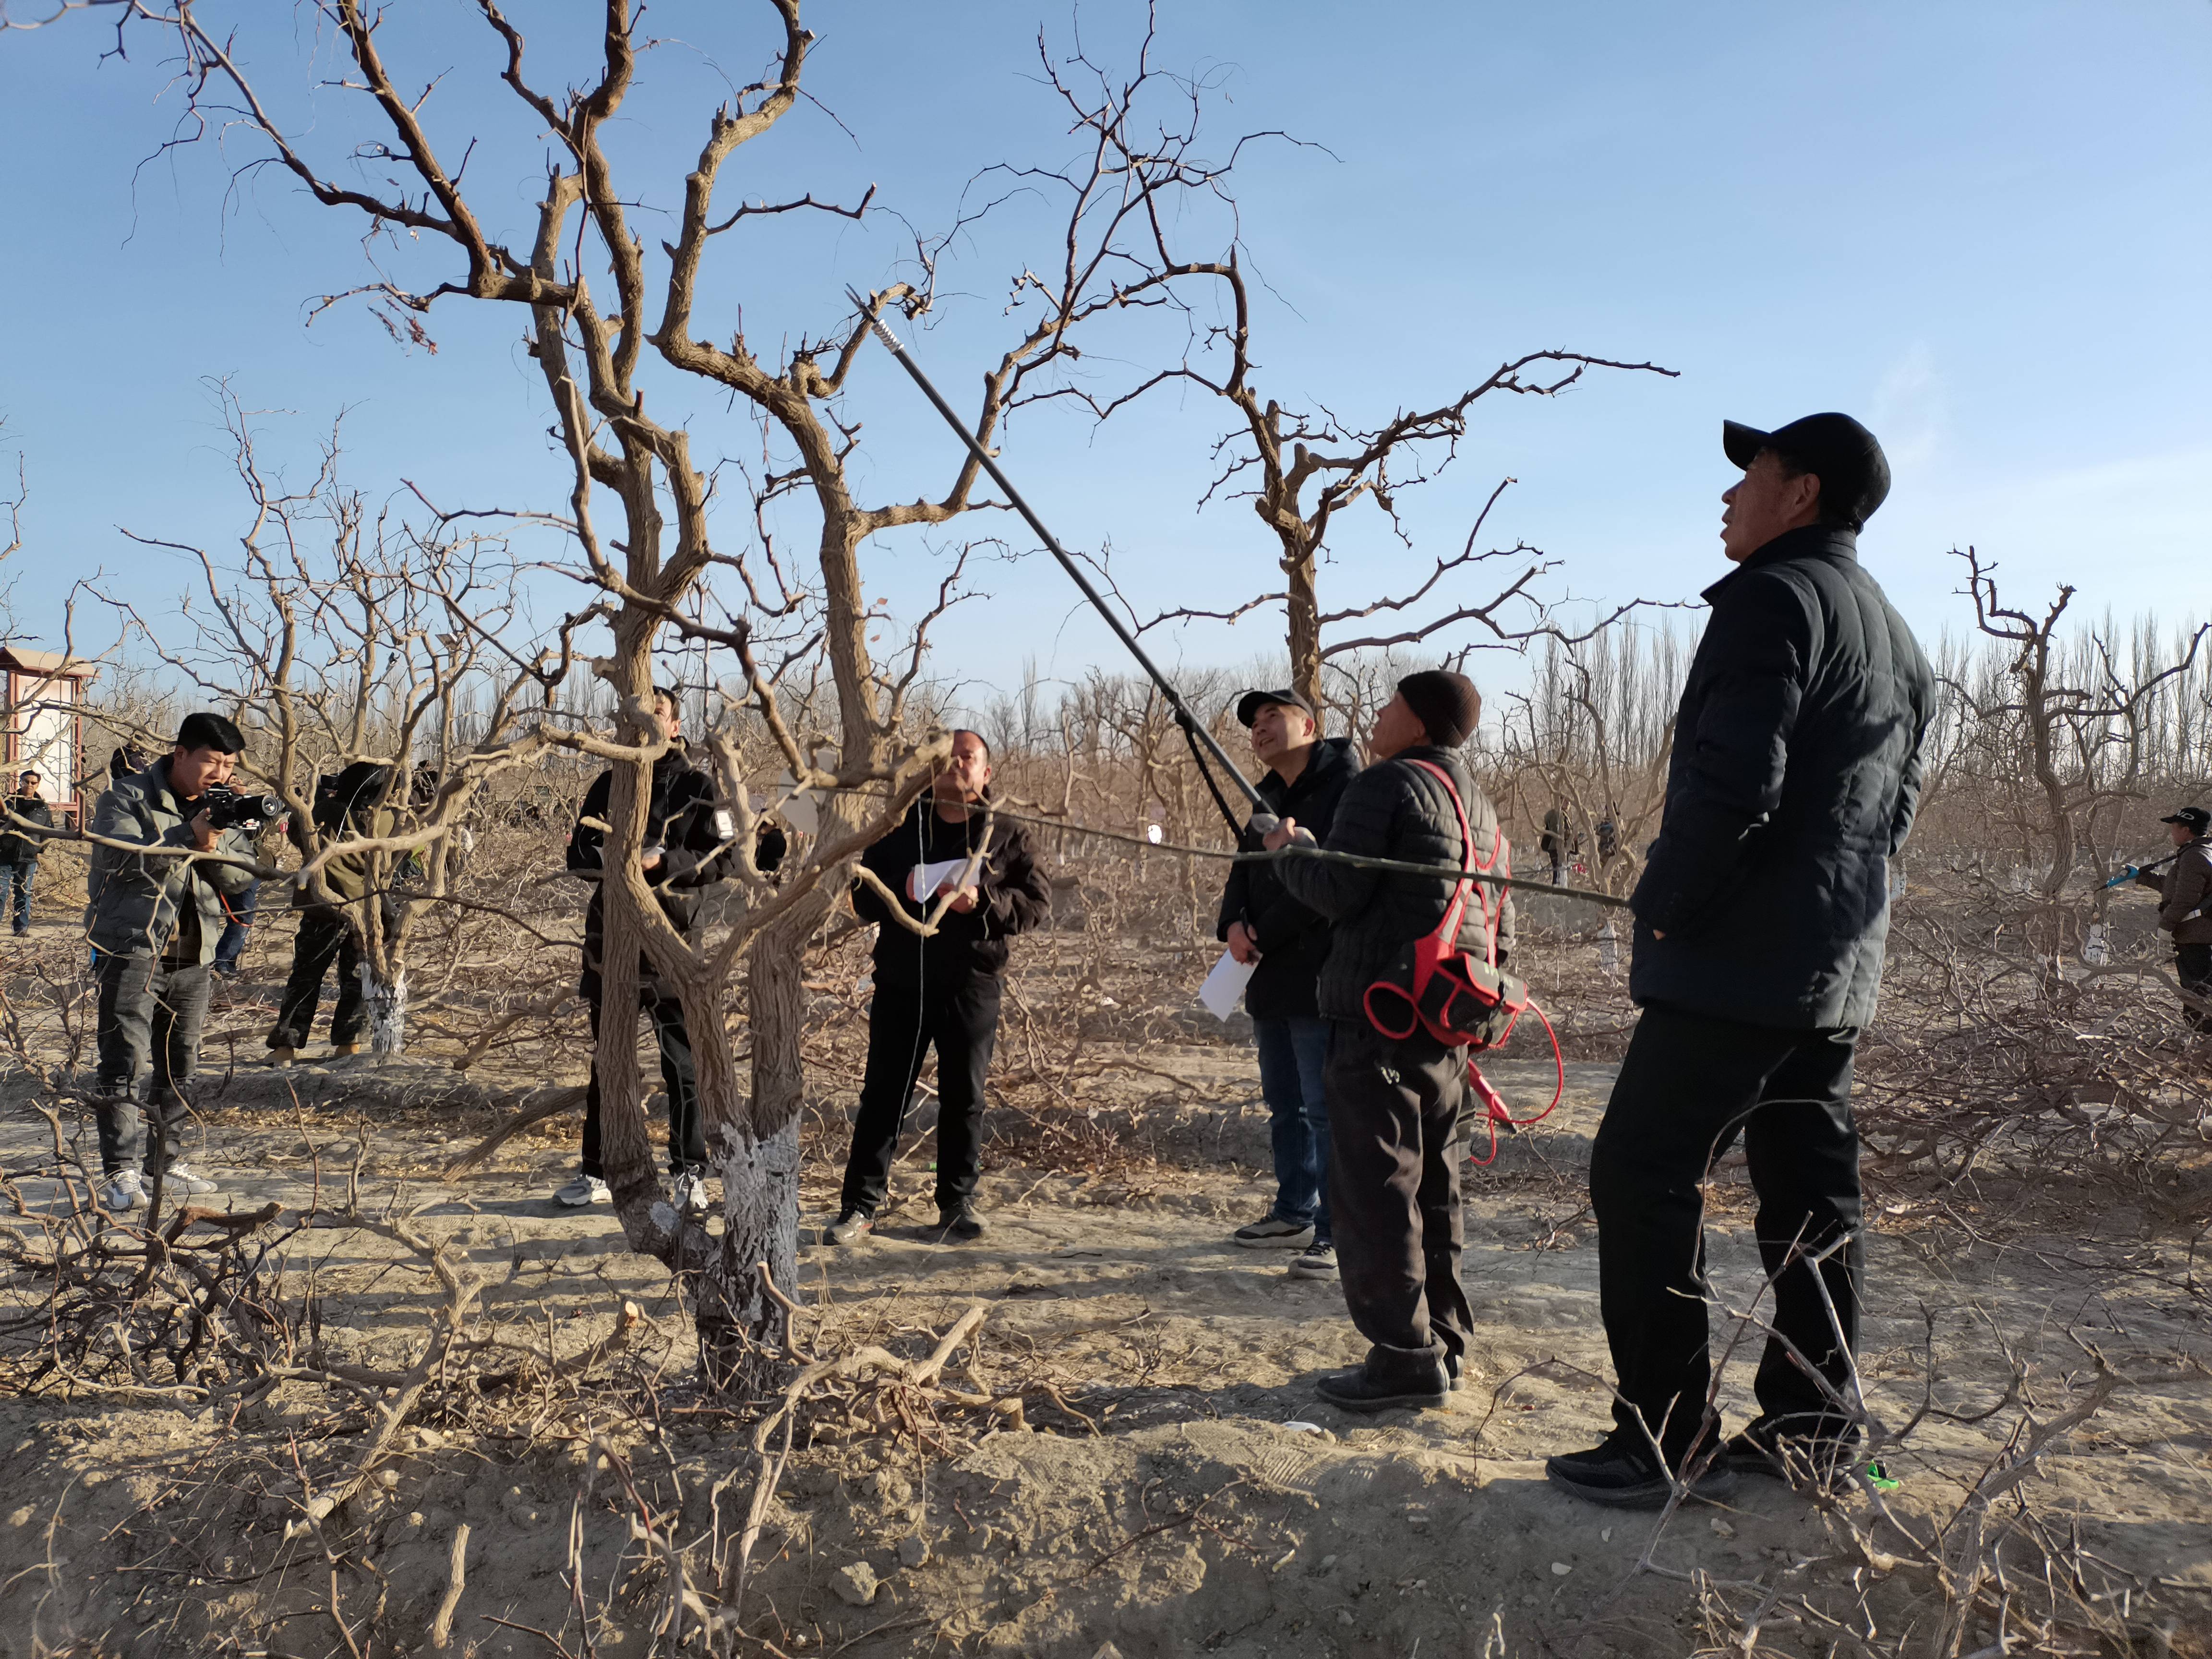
[20,845]
[941,990]
[1760,920]
[2185,892]
[1286,942]
[1393,1104]
[685,849]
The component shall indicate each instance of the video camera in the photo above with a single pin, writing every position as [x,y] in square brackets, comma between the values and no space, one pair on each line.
[227,809]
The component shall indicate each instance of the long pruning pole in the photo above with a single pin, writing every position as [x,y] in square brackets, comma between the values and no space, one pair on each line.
[1263,819]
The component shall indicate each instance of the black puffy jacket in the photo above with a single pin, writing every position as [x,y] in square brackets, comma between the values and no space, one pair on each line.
[683,818]
[1014,897]
[1293,937]
[1794,779]
[1395,810]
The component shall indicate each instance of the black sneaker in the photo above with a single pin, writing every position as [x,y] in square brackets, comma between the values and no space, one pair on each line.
[849,1228]
[1798,1460]
[962,1223]
[1622,1476]
[1360,1390]
[1272,1232]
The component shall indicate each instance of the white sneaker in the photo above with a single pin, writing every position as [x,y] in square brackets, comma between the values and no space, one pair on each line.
[122,1191]
[584,1189]
[177,1180]
[691,1193]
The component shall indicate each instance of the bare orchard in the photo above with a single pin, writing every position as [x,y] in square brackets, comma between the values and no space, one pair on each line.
[388,1398]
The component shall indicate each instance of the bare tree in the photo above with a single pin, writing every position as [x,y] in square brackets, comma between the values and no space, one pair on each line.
[2075,728]
[596,298]
[1126,199]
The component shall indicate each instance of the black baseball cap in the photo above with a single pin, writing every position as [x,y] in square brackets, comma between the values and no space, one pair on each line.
[1249,705]
[1836,449]
[2196,817]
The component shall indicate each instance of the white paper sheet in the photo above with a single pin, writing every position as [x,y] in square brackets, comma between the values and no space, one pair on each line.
[922,886]
[1226,985]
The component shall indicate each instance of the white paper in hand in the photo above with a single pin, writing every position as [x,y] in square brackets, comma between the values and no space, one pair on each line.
[1226,985]
[922,886]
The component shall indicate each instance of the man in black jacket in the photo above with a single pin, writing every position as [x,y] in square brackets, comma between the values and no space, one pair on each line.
[1393,1104]
[1760,920]
[686,847]
[942,989]
[1286,943]
[20,849]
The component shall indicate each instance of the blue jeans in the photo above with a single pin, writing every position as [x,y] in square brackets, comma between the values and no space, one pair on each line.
[1293,1053]
[20,875]
[231,945]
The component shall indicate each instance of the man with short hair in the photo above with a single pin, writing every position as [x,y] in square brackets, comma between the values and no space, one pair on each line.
[1286,942]
[1760,920]
[1393,1103]
[940,990]
[19,846]
[2184,910]
[686,837]
[154,918]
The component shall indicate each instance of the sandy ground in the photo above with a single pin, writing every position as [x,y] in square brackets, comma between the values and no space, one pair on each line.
[1195,1497]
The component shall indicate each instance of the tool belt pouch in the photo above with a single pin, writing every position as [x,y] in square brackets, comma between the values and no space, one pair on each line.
[1467,1002]
[1460,1001]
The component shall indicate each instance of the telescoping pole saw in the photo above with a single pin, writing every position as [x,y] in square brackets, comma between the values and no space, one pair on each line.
[1263,817]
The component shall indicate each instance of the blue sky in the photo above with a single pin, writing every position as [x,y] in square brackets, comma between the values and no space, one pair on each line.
[1985,229]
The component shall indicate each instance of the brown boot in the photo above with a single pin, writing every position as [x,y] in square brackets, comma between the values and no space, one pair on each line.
[280,1058]
[337,1048]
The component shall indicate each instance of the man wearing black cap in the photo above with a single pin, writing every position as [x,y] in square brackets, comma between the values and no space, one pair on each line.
[1760,920]
[2185,909]
[1393,1104]
[1286,942]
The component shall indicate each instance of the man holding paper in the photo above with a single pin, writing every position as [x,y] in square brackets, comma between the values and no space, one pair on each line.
[1280,944]
[941,990]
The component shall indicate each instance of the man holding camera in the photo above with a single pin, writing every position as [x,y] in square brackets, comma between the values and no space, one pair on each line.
[154,918]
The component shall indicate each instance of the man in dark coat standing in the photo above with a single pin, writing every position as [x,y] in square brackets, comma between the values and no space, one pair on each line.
[2184,910]
[1760,920]
[939,990]
[20,845]
[1393,1104]
[1286,942]
[687,846]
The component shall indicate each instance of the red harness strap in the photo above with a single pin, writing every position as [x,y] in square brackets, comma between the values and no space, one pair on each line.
[1447,994]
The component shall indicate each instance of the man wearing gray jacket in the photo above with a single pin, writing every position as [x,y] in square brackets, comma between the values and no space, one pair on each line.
[155,918]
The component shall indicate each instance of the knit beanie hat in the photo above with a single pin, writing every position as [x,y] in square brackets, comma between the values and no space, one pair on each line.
[1447,703]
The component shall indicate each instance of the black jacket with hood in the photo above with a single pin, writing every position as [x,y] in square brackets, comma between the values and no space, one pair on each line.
[1013,894]
[1396,810]
[1292,936]
[1794,779]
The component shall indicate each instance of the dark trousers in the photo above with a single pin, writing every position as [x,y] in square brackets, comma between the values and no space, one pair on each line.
[1293,1069]
[19,875]
[2192,966]
[958,1016]
[150,1015]
[1689,1085]
[687,1134]
[326,937]
[1393,1192]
